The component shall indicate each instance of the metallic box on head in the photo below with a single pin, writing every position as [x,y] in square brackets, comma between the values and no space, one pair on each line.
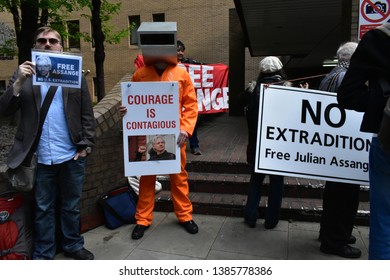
[157,40]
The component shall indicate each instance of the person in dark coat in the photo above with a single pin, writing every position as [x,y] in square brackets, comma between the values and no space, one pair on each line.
[194,141]
[366,88]
[340,200]
[271,72]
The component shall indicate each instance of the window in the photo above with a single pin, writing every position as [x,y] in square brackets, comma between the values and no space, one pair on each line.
[73,30]
[159,17]
[2,87]
[134,23]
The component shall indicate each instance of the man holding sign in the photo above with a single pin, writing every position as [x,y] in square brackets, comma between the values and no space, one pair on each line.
[158,44]
[67,137]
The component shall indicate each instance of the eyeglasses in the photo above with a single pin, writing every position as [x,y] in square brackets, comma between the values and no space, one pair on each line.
[52,41]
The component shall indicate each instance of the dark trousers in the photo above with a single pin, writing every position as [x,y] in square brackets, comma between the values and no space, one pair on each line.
[274,198]
[340,204]
[194,141]
[58,183]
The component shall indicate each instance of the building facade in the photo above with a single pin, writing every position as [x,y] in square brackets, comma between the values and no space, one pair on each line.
[203,26]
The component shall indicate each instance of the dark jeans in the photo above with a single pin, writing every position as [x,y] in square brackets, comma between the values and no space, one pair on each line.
[340,204]
[194,141]
[64,183]
[379,246]
[274,198]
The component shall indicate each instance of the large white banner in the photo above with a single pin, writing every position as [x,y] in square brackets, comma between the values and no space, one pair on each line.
[150,128]
[304,133]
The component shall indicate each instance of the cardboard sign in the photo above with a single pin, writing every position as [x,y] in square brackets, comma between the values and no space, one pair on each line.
[305,133]
[150,128]
[57,69]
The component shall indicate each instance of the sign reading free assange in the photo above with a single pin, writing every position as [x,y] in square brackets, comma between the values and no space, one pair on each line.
[304,133]
[150,128]
[57,69]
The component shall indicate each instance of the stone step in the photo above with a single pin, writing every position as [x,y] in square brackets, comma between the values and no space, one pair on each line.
[300,209]
[238,184]
[218,167]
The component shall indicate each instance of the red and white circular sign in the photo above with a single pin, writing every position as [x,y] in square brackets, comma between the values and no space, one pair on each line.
[375,11]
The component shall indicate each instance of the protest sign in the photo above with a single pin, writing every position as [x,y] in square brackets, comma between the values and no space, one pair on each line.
[150,128]
[305,133]
[211,86]
[57,69]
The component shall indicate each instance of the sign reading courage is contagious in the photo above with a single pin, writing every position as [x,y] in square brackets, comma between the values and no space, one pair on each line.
[304,133]
[57,69]
[150,128]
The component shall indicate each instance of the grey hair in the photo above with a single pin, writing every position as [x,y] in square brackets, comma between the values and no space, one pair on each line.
[155,138]
[43,60]
[345,51]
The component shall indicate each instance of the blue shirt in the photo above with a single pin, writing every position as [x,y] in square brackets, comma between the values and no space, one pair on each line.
[55,145]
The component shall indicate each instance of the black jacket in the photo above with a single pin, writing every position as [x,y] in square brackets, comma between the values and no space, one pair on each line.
[369,63]
[164,156]
[252,113]
[78,112]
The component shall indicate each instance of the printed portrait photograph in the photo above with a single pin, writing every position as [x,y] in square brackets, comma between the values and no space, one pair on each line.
[152,147]
[43,66]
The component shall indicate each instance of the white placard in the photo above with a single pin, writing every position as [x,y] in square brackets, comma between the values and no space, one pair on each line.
[152,110]
[57,69]
[304,133]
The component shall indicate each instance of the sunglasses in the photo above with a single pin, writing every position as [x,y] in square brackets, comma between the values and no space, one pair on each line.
[52,41]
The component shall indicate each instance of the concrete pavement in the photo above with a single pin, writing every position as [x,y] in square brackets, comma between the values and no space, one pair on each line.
[219,238]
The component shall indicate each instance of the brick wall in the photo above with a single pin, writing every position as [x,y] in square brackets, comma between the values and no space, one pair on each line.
[105,165]
[355,20]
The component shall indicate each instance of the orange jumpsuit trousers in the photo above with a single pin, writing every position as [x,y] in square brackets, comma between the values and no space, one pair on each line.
[188,112]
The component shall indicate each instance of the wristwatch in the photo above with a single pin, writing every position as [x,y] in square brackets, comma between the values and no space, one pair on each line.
[88,150]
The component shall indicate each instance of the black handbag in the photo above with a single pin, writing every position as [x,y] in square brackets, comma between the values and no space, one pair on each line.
[119,207]
[22,178]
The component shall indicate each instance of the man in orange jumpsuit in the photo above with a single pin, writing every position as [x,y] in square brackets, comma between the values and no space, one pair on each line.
[162,68]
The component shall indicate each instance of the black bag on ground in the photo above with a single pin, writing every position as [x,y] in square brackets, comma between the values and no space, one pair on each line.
[119,206]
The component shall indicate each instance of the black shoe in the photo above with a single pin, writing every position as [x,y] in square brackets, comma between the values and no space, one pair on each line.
[190,226]
[251,224]
[138,231]
[82,254]
[352,239]
[270,226]
[346,251]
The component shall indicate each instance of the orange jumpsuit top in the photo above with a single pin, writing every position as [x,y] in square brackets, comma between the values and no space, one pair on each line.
[188,105]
